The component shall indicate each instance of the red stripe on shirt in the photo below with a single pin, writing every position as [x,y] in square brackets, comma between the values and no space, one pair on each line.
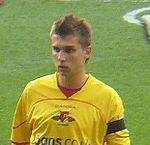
[20,143]
[14,127]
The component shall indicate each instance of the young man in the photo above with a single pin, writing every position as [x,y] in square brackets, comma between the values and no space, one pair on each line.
[69,107]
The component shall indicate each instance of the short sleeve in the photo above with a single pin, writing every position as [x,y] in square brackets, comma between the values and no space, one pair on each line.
[120,137]
[20,128]
[116,109]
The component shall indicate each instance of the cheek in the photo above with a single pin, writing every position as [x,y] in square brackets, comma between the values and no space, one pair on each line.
[54,56]
[82,57]
[79,60]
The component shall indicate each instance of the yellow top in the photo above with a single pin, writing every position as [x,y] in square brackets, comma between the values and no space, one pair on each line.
[45,116]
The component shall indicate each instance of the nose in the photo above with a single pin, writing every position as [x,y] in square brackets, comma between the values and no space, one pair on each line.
[61,56]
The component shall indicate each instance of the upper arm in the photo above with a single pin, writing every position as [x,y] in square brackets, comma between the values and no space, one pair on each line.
[117,133]
[20,128]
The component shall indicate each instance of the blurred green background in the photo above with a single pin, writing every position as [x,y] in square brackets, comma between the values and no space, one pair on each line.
[120,57]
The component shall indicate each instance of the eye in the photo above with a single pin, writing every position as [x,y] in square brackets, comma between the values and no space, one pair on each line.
[69,50]
[56,49]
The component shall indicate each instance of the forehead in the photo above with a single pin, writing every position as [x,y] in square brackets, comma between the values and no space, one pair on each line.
[69,40]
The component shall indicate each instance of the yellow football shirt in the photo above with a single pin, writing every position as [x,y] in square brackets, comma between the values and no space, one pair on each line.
[45,116]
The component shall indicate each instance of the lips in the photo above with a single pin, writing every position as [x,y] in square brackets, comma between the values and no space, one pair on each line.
[62,68]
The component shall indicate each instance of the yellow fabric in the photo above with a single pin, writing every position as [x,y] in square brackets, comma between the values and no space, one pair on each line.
[44,115]
[118,138]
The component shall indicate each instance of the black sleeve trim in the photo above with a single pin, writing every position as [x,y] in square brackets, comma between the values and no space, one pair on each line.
[116,126]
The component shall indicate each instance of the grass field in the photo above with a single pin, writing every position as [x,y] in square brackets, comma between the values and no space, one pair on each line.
[121,56]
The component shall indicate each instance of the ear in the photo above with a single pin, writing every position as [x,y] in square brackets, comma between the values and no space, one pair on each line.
[88,53]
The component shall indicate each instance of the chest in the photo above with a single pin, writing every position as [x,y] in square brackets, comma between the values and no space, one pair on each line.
[65,119]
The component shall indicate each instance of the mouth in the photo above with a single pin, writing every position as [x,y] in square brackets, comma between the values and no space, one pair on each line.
[62,68]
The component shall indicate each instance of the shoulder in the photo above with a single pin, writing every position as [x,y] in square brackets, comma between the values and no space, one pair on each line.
[38,89]
[103,91]
[100,86]
[107,99]
[48,80]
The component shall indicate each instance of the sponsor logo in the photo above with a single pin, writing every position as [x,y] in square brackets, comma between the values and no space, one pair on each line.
[65,106]
[58,141]
[63,117]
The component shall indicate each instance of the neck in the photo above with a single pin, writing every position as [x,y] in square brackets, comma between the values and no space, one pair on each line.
[73,82]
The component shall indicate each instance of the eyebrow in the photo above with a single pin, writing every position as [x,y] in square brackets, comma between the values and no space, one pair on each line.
[69,46]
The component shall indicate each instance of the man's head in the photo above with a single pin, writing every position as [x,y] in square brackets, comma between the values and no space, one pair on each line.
[71,44]
[72,25]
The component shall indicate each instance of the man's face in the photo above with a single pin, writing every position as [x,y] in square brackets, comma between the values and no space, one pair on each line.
[68,54]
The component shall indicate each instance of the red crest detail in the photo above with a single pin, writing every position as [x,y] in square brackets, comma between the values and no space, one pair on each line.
[63,117]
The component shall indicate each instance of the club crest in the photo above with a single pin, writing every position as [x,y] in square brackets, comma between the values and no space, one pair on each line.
[63,117]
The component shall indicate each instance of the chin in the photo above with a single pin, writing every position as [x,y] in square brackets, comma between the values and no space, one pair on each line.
[65,74]
[62,73]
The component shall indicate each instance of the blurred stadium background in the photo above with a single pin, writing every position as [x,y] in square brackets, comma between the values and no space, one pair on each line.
[121,55]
